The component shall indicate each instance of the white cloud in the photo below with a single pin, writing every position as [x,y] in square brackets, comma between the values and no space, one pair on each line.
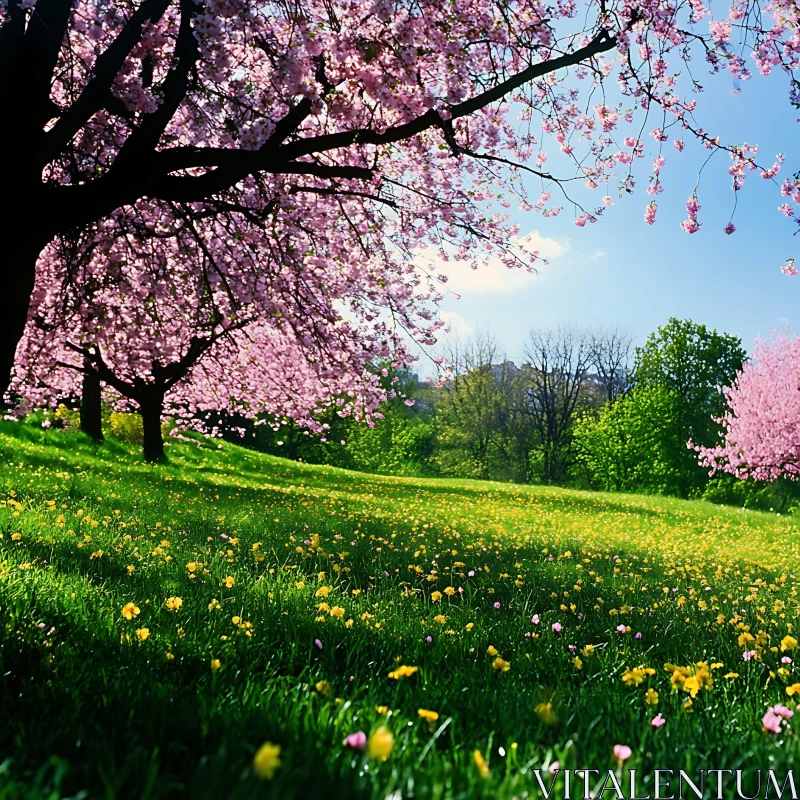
[493,276]
[457,324]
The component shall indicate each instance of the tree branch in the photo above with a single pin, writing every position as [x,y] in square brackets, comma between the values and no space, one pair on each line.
[601,43]
[232,165]
[144,139]
[11,36]
[41,47]
[189,189]
[107,66]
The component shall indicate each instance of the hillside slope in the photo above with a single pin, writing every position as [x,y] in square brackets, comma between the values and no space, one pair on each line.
[161,624]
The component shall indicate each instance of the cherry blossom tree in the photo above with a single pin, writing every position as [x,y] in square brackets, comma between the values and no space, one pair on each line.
[418,113]
[172,317]
[763,425]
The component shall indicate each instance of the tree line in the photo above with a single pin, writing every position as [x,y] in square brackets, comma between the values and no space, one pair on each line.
[584,409]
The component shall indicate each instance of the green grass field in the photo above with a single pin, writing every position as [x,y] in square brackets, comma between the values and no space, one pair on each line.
[266,556]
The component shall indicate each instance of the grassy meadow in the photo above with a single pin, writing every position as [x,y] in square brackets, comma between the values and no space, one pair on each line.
[160,625]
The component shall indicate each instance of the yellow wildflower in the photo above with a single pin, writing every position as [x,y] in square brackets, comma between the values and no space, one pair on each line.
[691,685]
[403,671]
[267,760]
[545,713]
[380,744]
[480,763]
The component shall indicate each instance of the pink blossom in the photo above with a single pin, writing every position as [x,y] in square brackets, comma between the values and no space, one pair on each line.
[761,441]
[657,721]
[318,643]
[356,741]
[622,752]
[557,627]
[720,31]
[771,721]
[259,261]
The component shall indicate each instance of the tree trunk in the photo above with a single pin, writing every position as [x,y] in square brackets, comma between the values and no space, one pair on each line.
[17,274]
[91,418]
[151,411]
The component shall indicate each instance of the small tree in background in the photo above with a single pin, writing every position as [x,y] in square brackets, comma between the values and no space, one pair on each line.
[611,360]
[555,378]
[468,405]
[762,425]
[694,363]
[629,446]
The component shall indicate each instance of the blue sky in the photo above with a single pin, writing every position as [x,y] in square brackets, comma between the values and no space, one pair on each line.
[620,270]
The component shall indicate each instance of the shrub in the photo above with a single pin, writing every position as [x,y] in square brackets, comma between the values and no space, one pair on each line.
[780,496]
[67,418]
[126,427]
[631,446]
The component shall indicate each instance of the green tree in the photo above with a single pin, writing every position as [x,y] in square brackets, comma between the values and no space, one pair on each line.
[559,360]
[470,411]
[692,362]
[629,446]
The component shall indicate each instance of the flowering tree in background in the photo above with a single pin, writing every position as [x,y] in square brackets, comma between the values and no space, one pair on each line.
[763,425]
[171,316]
[410,116]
